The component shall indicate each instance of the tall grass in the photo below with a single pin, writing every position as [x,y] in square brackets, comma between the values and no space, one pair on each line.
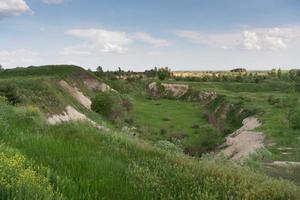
[84,163]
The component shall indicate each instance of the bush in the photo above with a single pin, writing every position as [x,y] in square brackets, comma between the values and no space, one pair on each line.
[294,117]
[273,100]
[164,73]
[9,91]
[127,102]
[207,139]
[112,105]
[102,103]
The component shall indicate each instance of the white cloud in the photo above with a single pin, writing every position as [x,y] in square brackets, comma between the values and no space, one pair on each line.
[270,39]
[145,37]
[79,50]
[252,39]
[53,1]
[18,57]
[101,40]
[13,8]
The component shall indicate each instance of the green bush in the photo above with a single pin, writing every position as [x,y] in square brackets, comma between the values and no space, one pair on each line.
[164,73]
[112,105]
[103,103]
[294,117]
[9,91]
[207,139]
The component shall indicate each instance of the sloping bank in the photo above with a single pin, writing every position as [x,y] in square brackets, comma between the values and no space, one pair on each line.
[224,115]
[84,163]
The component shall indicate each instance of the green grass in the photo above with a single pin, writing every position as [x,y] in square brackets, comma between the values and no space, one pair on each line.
[77,161]
[84,163]
[182,123]
[61,71]
[176,117]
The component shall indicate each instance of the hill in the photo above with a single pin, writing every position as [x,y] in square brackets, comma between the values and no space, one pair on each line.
[77,160]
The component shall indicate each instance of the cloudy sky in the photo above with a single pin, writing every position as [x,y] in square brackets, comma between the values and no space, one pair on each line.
[141,34]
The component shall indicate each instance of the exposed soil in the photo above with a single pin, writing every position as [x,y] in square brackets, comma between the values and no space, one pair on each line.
[77,94]
[71,114]
[244,141]
[174,90]
[284,164]
[95,85]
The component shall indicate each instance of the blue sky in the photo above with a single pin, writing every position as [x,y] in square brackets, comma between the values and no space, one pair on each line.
[138,35]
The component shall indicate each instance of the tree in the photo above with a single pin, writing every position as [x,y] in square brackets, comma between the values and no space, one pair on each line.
[99,69]
[279,73]
[273,72]
[112,105]
[164,73]
[1,68]
[293,73]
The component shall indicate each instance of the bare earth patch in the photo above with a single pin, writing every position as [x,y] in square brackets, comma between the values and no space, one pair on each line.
[244,141]
[284,164]
[71,114]
[77,94]
[95,85]
[175,90]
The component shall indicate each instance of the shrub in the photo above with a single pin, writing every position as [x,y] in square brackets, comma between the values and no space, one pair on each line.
[127,102]
[207,139]
[9,91]
[112,105]
[168,146]
[103,103]
[294,117]
[273,100]
[164,73]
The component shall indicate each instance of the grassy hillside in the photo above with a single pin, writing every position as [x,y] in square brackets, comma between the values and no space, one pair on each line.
[274,101]
[78,161]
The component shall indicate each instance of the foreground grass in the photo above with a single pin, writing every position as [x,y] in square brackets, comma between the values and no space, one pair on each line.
[84,163]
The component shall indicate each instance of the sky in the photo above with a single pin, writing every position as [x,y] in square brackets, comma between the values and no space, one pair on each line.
[141,34]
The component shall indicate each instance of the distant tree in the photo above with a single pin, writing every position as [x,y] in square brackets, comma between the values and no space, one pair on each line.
[273,72]
[151,72]
[1,68]
[279,73]
[164,73]
[293,73]
[238,70]
[99,69]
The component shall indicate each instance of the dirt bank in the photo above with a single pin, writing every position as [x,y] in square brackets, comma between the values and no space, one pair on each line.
[244,141]
[77,94]
[71,114]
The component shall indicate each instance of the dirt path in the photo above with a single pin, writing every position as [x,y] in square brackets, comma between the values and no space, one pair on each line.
[71,114]
[77,94]
[244,141]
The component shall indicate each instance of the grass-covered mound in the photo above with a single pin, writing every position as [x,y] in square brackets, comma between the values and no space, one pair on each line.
[40,86]
[84,163]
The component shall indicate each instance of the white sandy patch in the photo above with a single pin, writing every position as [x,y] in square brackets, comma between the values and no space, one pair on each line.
[284,164]
[71,114]
[92,84]
[176,90]
[244,141]
[77,94]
